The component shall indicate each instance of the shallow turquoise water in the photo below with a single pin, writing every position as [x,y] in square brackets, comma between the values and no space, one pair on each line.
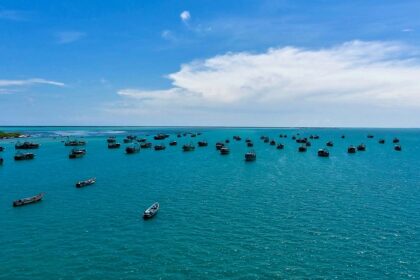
[286,215]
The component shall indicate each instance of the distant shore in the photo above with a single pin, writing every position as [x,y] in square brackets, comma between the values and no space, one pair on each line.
[10,135]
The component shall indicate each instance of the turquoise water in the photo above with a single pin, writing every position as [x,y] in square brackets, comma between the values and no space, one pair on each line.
[286,215]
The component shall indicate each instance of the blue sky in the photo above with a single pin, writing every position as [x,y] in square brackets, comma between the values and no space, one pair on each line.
[263,63]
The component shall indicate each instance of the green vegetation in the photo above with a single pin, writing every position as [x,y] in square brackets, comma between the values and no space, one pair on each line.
[9,134]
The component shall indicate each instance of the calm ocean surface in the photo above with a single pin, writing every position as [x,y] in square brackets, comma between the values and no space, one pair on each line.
[286,215]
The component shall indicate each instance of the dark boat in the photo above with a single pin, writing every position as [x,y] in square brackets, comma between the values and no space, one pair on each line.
[28,200]
[272,143]
[370,136]
[202,144]
[74,143]
[250,156]
[131,137]
[237,138]
[396,140]
[293,137]
[224,151]
[1,149]
[308,144]
[323,153]
[132,149]
[262,137]
[126,141]
[330,144]
[114,145]
[302,148]
[343,136]
[77,153]
[301,140]
[381,141]
[266,140]
[173,143]
[397,148]
[179,136]
[227,141]
[1,161]
[193,135]
[161,136]
[146,145]
[219,145]
[111,139]
[316,137]
[248,140]
[159,147]
[142,140]
[188,147]
[250,144]
[26,146]
[151,211]
[351,149]
[85,183]
[280,146]
[361,147]
[24,156]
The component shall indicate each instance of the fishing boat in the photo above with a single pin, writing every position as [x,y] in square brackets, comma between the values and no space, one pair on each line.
[227,141]
[151,211]
[302,148]
[250,144]
[146,145]
[272,143]
[250,156]
[237,138]
[77,153]
[74,143]
[323,153]
[370,136]
[316,137]
[160,147]
[85,183]
[28,200]
[361,147]
[381,141]
[1,161]
[330,144]
[397,148]
[142,140]
[24,156]
[224,151]
[26,146]
[188,147]
[343,136]
[160,136]
[395,140]
[351,149]
[111,140]
[247,140]
[127,141]
[1,149]
[131,137]
[266,140]
[114,145]
[202,144]
[280,146]
[219,145]
[132,149]
[193,135]
[173,143]
[308,144]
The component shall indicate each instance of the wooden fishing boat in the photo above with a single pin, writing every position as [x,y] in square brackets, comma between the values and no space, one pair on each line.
[146,145]
[159,147]
[74,143]
[132,149]
[361,147]
[280,146]
[26,146]
[330,144]
[188,147]
[173,143]
[151,211]
[224,151]
[114,145]
[219,145]
[85,183]
[323,153]
[28,200]
[111,140]
[202,144]
[302,148]
[250,156]
[396,140]
[351,149]
[24,156]
[397,148]
[77,153]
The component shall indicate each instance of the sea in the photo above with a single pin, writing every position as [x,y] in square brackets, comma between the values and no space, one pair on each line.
[287,215]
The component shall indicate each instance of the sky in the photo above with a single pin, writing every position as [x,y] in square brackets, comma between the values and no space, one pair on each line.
[210,63]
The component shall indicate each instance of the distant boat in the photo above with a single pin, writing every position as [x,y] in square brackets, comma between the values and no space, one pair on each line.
[397,148]
[161,136]
[351,149]
[146,145]
[28,200]
[280,146]
[219,145]
[173,143]
[237,138]
[370,136]
[160,147]
[85,183]
[151,211]
[302,148]
[1,161]
[361,147]
[26,146]
[250,156]
[142,140]
[1,149]
[77,153]
[74,143]
[272,143]
[323,153]
[132,149]
[111,139]
[396,140]
[381,141]
[24,156]
[188,148]
[330,144]
[308,144]
[224,151]
[114,145]
[126,140]
[343,136]
[250,144]
[202,144]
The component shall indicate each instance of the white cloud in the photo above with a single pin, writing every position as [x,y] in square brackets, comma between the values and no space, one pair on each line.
[407,30]
[323,85]
[13,86]
[185,16]
[67,37]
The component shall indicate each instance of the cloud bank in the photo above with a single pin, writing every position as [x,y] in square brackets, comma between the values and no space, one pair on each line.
[185,16]
[352,84]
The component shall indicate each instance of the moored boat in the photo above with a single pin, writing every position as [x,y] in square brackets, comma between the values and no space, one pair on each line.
[111,139]
[160,136]
[397,148]
[330,144]
[188,147]
[351,149]
[146,145]
[395,140]
[323,153]
[219,145]
[1,149]
[24,156]
[74,143]
[85,183]
[160,147]
[151,211]
[250,156]
[224,150]
[272,143]
[173,143]
[280,146]
[77,153]
[202,144]
[250,144]
[361,147]
[28,200]
[26,146]
[132,149]
[381,141]
[114,145]
[302,148]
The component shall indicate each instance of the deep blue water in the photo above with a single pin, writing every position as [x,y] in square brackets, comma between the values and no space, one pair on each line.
[286,215]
